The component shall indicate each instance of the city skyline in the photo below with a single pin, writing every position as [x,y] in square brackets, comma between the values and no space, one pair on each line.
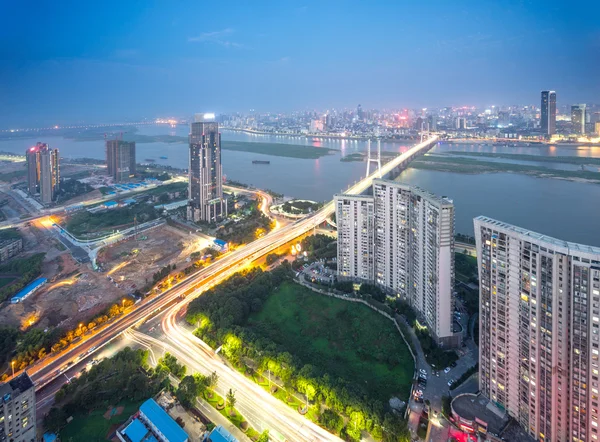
[309,54]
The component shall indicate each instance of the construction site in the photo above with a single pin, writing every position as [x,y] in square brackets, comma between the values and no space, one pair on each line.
[75,292]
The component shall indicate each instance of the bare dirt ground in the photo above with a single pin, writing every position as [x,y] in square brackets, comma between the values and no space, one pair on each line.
[75,293]
[132,263]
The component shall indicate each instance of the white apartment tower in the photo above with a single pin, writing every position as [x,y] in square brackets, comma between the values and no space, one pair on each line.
[17,410]
[354,215]
[539,331]
[413,250]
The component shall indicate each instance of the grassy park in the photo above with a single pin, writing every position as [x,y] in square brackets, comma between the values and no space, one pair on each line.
[343,339]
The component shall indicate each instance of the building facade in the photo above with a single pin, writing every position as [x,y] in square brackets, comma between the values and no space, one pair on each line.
[49,175]
[539,330]
[43,172]
[402,239]
[17,410]
[355,217]
[9,248]
[578,118]
[548,113]
[205,188]
[120,160]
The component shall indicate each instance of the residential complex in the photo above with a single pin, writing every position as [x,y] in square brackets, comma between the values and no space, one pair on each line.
[43,172]
[120,160]
[205,191]
[548,113]
[9,248]
[578,118]
[539,328]
[17,410]
[402,239]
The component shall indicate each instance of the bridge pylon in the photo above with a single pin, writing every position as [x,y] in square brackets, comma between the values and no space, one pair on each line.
[370,159]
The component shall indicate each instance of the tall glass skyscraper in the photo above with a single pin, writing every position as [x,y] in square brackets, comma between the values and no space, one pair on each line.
[43,172]
[205,189]
[120,159]
[548,113]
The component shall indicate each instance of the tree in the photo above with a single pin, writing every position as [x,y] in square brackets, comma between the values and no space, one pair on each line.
[187,391]
[55,419]
[212,380]
[264,437]
[230,400]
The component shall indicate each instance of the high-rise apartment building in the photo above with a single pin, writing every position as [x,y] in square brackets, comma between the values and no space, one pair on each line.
[205,189]
[17,410]
[120,159]
[578,118]
[539,330]
[43,172]
[548,113]
[355,217]
[402,239]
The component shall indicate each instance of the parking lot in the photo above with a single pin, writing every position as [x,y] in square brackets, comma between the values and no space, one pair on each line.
[317,272]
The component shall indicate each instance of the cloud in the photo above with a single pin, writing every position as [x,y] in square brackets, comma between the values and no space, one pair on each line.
[216,37]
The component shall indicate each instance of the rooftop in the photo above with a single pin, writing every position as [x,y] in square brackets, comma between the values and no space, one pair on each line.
[19,384]
[220,434]
[135,431]
[161,420]
[535,236]
[470,406]
[29,287]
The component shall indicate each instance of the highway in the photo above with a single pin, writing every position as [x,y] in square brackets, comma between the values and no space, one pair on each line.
[47,370]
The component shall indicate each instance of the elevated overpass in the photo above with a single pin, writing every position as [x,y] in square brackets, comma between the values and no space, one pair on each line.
[48,369]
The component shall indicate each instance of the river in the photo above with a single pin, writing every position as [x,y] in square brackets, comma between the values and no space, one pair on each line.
[563,209]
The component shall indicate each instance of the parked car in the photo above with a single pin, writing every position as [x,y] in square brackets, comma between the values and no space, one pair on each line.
[423,371]
[450,382]
[447,369]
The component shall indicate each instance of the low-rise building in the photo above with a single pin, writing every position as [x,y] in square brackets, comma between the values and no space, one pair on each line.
[220,434]
[10,248]
[151,424]
[29,289]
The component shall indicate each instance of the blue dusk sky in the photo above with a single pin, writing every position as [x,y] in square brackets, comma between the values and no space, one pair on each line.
[81,61]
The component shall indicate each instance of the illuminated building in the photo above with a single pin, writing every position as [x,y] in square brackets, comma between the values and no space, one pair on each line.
[578,118]
[354,217]
[120,159]
[43,172]
[539,330]
[205,189]
[402,239]
[548,113]
[17,410]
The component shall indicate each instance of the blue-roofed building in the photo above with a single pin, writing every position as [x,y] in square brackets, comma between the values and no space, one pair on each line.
[136,431]
[162,425]
[29,289]
[111,205]
[221,245]
[220,434]
[129,201]
[49,437]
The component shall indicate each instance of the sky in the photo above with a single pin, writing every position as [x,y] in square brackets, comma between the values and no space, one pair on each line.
[67,62]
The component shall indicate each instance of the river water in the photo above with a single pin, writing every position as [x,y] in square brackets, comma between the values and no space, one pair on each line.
[563,209]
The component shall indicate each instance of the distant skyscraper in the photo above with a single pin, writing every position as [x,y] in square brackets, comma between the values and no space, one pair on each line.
[17,410]
[43,172]
[49,175]
[205,189]
[578,118]
[359,112]
[402,239]
[539,330]
[548,113]
[461,123]
[120,159]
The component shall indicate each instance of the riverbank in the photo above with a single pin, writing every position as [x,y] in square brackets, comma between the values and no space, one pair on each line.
[456,164]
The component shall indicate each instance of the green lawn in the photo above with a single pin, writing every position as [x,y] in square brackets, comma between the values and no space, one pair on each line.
[93,427]
[343,339]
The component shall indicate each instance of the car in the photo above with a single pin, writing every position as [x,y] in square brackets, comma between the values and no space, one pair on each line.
[447,369]
[453,365]
[450,382]
[423,371]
